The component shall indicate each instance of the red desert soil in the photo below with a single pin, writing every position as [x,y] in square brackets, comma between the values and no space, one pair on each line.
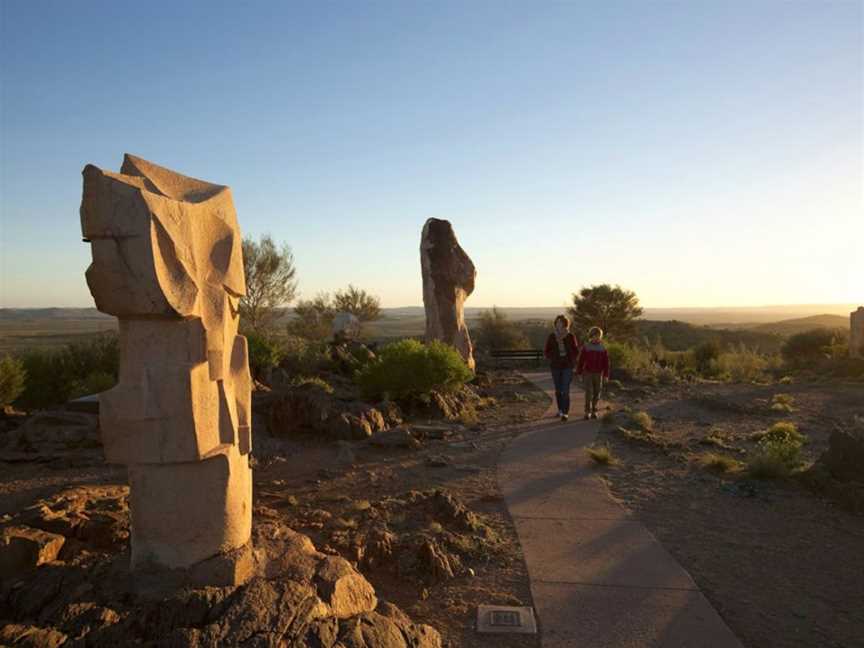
[781,565]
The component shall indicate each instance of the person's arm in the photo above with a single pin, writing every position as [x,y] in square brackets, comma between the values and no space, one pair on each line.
[605,364]
[580,364]
[547,350]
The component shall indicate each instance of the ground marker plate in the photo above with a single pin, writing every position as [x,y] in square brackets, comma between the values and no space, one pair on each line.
[506,619]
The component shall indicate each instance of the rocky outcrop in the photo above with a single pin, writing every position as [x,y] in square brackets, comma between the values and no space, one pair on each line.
[448,280]
[309,408]
[297,597]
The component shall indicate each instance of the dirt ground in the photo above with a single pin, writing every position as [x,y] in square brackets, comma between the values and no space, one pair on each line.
[781,565]
[333,492]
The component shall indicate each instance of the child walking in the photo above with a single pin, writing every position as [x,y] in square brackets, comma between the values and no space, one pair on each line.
[593,365]
[562,351]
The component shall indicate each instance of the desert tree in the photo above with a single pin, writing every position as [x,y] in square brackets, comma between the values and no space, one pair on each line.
[271,282]
[358,302]
[612,308]
[313,317]
[496,331]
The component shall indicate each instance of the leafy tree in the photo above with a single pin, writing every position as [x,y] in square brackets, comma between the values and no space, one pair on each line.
[496,331]
[313,318]
[806,347]
[270,282]
[613,309]
[358,302]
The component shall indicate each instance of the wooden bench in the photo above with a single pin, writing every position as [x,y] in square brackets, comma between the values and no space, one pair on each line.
[517,354]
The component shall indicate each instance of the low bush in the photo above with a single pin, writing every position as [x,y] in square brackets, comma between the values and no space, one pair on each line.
[409,368]
[58,375]
[783,403]
[808,347]
[741,365]
[779,451]
[265,353]
[12,379]
[718,462]
[303,356]
[299,381]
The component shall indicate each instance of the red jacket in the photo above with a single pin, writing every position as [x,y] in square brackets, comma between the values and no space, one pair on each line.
[553,353]
[593,359]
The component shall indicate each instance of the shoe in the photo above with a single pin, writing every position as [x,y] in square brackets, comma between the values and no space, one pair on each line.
[587,416]
[593,415]
[559,414]
[564,418]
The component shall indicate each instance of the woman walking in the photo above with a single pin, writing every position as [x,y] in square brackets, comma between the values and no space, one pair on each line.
[562,351]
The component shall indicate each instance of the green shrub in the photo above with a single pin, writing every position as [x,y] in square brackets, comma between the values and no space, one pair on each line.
[79,369]
[304,356]
[809,346]
[13,377]
[704,354]
[265,353]
[779,451]
[409,368]
[742,365]
[632,359]
[299,381]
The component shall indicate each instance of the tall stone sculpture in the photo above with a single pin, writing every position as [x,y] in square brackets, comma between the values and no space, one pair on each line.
[856,332]
[167,262]
[448,280]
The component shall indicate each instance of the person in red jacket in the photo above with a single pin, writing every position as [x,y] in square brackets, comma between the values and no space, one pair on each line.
[593,366]
[562,351]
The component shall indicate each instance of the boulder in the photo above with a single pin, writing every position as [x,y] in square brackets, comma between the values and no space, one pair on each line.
[344,589]
[24,548]
[844,458]
[448,280]
[399,437]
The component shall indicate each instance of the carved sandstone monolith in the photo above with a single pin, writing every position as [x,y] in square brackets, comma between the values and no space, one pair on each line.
[448,279]
[856,332]
[167,262]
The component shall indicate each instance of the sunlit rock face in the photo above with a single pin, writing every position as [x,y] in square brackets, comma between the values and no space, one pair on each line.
[448,280]
[856,332]
[167,261]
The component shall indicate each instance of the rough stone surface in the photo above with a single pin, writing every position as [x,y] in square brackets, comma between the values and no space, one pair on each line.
[844,458]
[309,408]
[167,261]
[23,548]
[856,333]
[448,280]
[345,326]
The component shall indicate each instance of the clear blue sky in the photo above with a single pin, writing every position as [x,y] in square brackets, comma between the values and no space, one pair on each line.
[700,153]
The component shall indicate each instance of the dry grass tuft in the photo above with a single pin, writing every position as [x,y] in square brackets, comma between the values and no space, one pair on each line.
[719,462]
[601,455]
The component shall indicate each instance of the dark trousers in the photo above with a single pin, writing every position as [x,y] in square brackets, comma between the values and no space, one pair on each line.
[593,382]
[562,378]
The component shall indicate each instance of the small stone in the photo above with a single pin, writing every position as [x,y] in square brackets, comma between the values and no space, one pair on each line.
[23,549]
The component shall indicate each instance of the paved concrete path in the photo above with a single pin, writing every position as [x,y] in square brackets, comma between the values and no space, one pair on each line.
[598,577]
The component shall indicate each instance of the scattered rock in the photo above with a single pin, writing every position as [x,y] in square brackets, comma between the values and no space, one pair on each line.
[345,590]
[396,438]
[23,548]
[844,458]
[434,562]
[30,636]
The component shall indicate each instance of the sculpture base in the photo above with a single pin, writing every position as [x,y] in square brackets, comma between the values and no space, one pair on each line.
[186,513]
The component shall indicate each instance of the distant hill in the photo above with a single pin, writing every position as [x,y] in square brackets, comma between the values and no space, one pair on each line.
[801,324]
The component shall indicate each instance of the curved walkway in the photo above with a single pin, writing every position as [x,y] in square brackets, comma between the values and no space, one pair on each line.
[598,577]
